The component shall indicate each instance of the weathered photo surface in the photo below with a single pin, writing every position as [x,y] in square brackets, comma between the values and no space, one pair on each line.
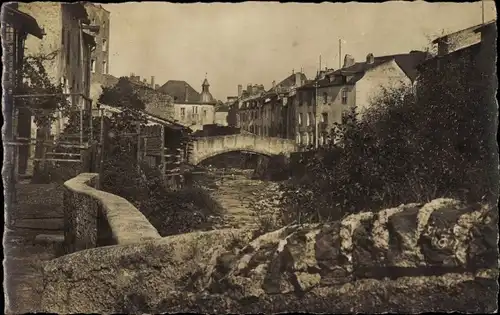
[254,157]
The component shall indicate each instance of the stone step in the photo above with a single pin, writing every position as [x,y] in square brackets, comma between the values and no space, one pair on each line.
[49,239]
[53,224]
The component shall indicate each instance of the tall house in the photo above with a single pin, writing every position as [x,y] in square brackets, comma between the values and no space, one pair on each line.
[191,108]
[100,56]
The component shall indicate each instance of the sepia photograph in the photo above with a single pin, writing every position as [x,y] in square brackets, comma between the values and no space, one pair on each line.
[250,158]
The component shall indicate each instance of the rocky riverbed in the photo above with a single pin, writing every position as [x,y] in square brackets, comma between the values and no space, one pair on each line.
[247,203]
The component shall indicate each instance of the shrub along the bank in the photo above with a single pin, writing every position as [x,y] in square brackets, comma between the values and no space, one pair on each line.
[404,149]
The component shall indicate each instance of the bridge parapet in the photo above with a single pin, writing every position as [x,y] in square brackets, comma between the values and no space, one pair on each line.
[206,147]
[96,218]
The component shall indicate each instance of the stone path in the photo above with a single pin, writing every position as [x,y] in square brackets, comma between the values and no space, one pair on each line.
[34,237]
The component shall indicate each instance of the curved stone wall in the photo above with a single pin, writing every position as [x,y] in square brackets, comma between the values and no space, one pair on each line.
[95,218]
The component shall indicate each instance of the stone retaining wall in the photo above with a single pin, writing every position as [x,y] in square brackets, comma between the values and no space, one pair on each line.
[438,256]
[94,218]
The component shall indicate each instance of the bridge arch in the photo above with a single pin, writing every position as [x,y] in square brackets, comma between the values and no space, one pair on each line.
[214,154]
[207,147]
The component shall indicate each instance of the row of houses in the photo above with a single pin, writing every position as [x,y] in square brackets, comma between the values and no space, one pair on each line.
[306,110]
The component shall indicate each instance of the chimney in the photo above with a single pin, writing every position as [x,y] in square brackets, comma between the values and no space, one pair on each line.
[274,84]
[348,61]
[298,79]
[370,59]
[157,86]
[255,89]
[185,93]
[249,88]
[132,75]
[145,81]
[240,90]
[152,82]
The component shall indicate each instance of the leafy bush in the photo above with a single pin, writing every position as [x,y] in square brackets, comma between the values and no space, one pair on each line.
[405,148]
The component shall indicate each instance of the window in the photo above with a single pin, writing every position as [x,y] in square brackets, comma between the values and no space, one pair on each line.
[298,139]
[345,118]
[300,119]
[204,113]
[183,113]
[344,96]
[104,67]
[310,119]
[104,45]
[324,118]
[196,109]
[325,98]
[92,65]
[68,44]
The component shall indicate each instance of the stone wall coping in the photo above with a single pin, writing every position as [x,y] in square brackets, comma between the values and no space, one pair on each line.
[128,225]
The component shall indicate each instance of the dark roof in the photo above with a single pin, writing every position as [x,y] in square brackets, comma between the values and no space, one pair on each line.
[407,62]
[177,89]
[78,11]
[474,28]
[222,108]
[21,20]
[289,81]
[485,26]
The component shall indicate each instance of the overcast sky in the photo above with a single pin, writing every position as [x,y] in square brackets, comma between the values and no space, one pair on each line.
[257,42]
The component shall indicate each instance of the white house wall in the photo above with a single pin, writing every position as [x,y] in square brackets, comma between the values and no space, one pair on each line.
[387,75]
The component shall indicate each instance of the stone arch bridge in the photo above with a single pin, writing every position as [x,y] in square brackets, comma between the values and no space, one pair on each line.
[206,147]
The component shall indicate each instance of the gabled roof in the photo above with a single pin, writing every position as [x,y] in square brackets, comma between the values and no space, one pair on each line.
[407,62]
[289,81]
[177,89]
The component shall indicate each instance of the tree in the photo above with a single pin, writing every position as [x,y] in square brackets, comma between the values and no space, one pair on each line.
[122,95]
[36,81]
[408,147]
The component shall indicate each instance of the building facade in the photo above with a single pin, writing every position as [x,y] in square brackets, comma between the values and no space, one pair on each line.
[16,28]
[325,101]
[68,44]
[268,113]
[66,50]
[191,108]
[100,56]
